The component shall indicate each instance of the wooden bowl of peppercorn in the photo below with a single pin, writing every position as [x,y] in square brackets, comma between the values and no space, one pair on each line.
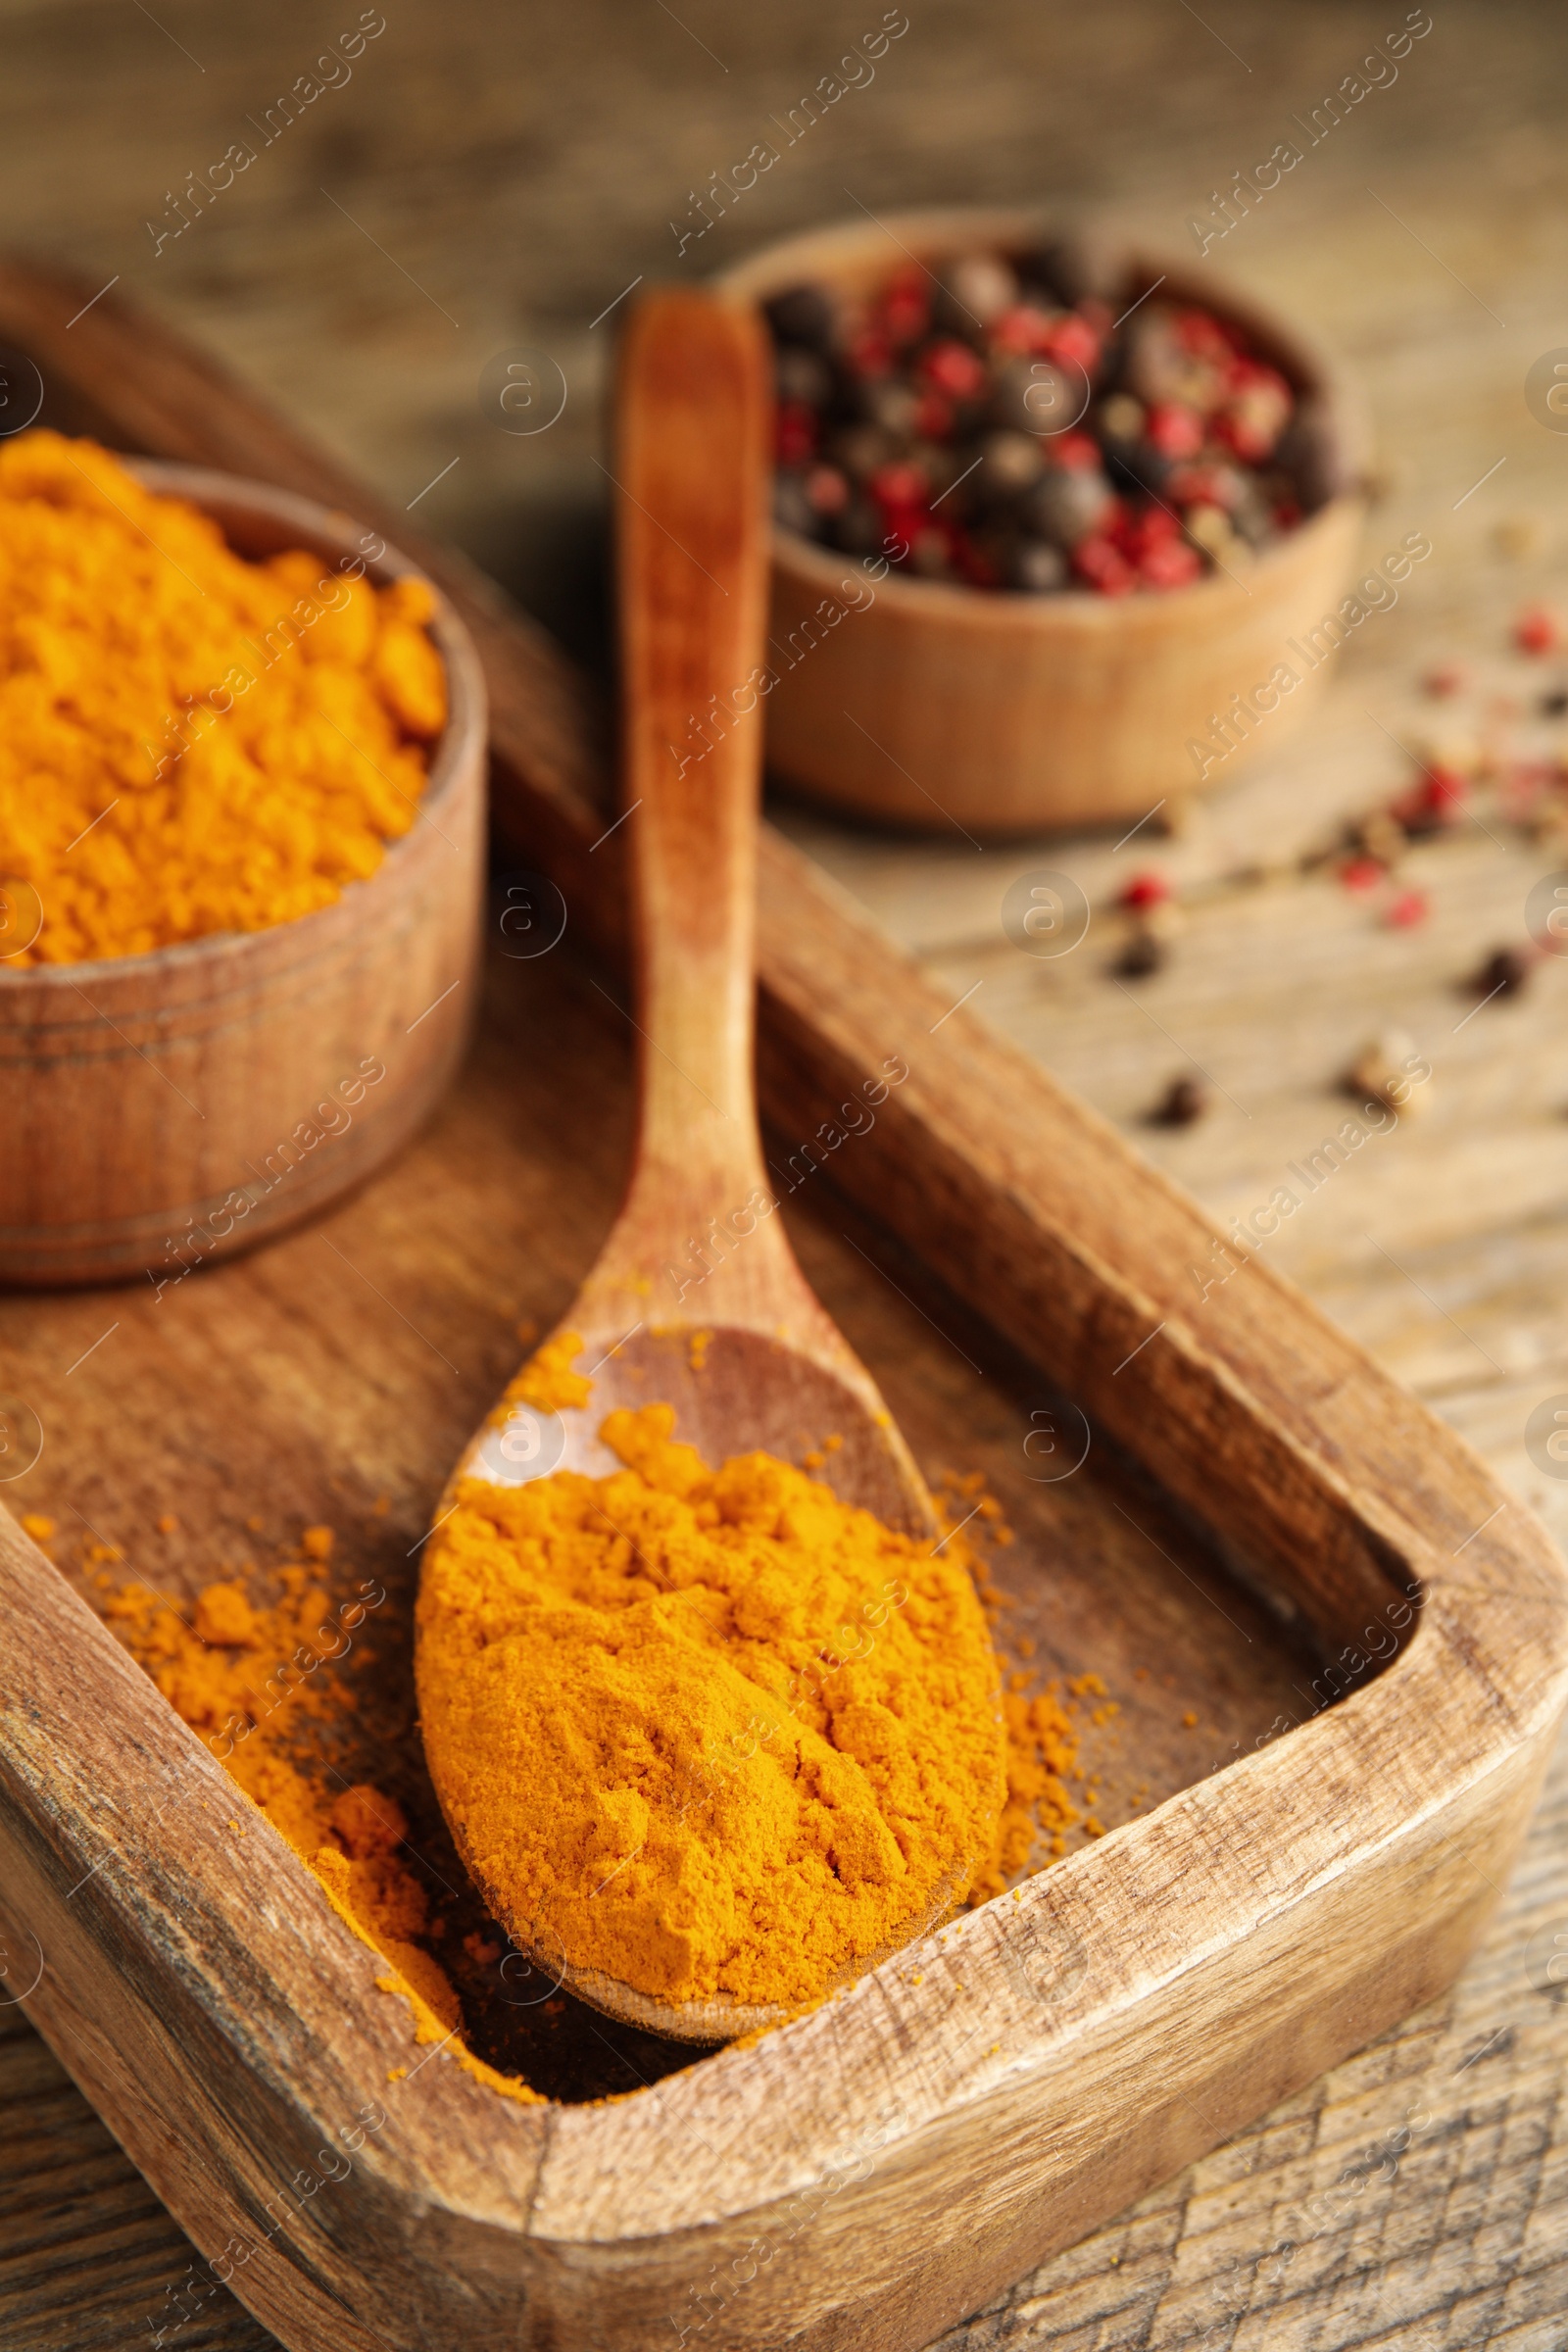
[1054,524]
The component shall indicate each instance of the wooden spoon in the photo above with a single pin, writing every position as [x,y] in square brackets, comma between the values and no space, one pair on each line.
[698,1247]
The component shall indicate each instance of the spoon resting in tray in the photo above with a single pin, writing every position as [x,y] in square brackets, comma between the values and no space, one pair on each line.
[743,1352]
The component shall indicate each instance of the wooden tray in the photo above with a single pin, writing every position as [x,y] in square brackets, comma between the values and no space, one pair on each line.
[1258,1506]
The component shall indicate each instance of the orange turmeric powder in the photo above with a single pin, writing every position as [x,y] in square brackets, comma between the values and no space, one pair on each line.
[273,1690]
[240,1677]
[709,1731]
[189,743]
[547,1380]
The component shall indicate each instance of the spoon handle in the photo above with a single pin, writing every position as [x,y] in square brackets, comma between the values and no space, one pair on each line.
[691,476]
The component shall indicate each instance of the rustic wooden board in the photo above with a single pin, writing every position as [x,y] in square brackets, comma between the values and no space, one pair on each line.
[554,224]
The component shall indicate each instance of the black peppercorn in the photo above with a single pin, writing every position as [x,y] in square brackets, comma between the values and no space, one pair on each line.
[1067,270]
[1143,953]
[1184,1101]
[1504,974]
[857,528]
[801,315]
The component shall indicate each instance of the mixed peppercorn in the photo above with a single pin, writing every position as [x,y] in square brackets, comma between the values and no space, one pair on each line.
[996,423]
[1495,751]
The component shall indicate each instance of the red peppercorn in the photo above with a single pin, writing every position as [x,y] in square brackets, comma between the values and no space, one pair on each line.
[1410,907]
[900,531]
[1437,801]
[1448,678]
[1446,791]
[899,487]
[1153,527]
[1203,486]
[1361,873]
[1021,330]
[796,432]
[905,311]
[951,366]
[1535,630]
[1146,889]
[1202,334]
[933,418]
[1098,560]
[1523,781]
[1071,341]
[1174,428]
[971,562]
[1173,566]
[1074,453]
[1239,433]
[869,354]
[827,490]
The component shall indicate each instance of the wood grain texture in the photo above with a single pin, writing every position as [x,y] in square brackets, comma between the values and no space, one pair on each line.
[1354,1839]
[1413,2198]
[692,455]
[523,167]
[173,1108]
[260,1396]
[1318,2222]
[86,2247]
[924,704]
[274,1378]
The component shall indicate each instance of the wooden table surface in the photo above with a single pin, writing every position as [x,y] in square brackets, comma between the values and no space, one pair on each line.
[494,178]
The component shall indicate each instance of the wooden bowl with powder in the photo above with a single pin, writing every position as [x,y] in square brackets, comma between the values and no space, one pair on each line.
[167,1109]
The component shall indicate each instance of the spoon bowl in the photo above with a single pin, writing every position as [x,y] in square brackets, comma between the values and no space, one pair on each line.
[734,1390]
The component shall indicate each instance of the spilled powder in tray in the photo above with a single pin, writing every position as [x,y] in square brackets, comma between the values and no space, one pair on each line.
[293,1737]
